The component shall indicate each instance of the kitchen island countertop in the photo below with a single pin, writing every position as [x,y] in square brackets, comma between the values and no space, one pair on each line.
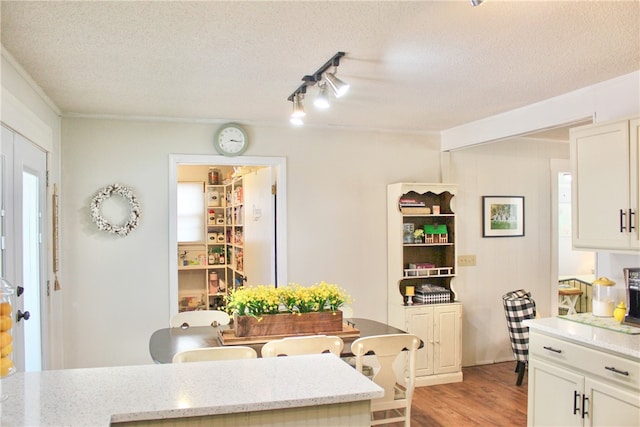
[627,345]
[100,396]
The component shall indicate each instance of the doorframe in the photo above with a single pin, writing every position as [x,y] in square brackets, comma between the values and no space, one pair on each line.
[279,165]
[555,167]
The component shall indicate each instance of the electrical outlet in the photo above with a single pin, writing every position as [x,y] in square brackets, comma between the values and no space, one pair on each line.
[466,260]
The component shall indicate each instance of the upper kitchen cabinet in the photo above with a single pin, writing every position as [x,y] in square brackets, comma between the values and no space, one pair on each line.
[605,186]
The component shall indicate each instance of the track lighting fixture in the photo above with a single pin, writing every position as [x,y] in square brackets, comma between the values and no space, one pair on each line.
[324,80]
[475,3]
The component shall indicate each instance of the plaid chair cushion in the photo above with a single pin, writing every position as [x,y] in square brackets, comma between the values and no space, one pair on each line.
[519,306]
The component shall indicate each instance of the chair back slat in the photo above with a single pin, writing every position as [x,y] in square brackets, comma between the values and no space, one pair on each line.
[215,353]
[293,346]
[186,319]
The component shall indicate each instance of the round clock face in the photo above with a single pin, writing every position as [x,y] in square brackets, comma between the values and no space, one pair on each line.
[230,140]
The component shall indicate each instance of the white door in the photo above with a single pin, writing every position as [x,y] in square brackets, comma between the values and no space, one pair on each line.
[23,248]
[260,226]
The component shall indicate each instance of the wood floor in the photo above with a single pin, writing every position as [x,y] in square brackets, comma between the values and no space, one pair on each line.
[488,396]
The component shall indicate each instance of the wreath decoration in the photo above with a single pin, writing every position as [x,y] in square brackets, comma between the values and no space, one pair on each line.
[134,210]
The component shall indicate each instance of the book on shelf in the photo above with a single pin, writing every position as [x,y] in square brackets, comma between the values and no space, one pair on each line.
[411,203]
[421,265]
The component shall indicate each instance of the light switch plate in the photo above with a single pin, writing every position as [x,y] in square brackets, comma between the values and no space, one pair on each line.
[466,260]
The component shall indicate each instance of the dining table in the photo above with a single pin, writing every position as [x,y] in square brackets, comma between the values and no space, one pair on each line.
[166,342]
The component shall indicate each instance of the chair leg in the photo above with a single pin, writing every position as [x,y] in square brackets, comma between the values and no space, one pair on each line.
[520,369]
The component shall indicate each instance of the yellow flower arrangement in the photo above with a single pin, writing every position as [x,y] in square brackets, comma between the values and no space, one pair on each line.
[294,298]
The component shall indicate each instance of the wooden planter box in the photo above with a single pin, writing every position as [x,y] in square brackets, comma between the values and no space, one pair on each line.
[288,324]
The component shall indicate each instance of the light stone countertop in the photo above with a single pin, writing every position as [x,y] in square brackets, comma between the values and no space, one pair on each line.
[623,344]
[99,396]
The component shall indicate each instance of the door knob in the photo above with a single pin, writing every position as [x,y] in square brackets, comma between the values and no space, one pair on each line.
[22,315]
[19,290]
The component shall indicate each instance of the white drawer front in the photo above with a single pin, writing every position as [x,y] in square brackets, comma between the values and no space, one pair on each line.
[593,362]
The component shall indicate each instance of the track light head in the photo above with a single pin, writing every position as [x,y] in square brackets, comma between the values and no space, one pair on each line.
[322,100]
[338,87]
[475,3]
[298,108]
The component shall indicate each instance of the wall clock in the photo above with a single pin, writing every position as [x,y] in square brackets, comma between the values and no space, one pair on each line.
[231,140]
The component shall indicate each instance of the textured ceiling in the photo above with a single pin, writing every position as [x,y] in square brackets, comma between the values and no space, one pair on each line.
[414,66]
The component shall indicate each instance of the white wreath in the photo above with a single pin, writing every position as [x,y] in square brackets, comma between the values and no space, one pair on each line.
[103,223]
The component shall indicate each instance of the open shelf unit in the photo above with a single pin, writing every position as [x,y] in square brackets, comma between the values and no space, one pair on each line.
[422,257]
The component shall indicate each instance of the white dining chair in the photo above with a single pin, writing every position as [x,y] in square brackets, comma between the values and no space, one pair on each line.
[395,405]
[215,353]
[312,344]
[186,319]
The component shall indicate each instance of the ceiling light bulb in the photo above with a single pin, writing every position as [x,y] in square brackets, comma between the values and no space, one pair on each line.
[297,121]
[322,100]
[338,87]
[298,108]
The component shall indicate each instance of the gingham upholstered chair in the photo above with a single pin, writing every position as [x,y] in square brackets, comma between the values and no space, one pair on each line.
[519,306]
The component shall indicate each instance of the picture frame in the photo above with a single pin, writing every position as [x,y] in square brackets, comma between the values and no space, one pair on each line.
[502,216]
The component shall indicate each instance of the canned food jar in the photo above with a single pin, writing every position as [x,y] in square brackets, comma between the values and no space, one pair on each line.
[6,327]
[603,297]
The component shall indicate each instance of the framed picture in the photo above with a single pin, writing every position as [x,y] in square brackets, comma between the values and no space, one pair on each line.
[502,216]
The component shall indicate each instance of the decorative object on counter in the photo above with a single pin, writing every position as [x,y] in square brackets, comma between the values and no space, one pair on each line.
[102,223]
[502,216]
[293,309]
[620,311]
[603,299]
[409,292]
[7,366]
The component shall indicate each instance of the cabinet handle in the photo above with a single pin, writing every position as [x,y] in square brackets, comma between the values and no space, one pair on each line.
[623,214]
[631,214]
[575,402]
[617,371]
[552,349]
[585,399]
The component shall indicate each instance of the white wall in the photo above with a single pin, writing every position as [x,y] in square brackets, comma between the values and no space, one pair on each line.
[117,292]
[508,168]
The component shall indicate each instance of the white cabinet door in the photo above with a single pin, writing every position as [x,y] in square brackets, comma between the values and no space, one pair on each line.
[447,339]
[611,406]
[555,396]
[601,186]
[420,323]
